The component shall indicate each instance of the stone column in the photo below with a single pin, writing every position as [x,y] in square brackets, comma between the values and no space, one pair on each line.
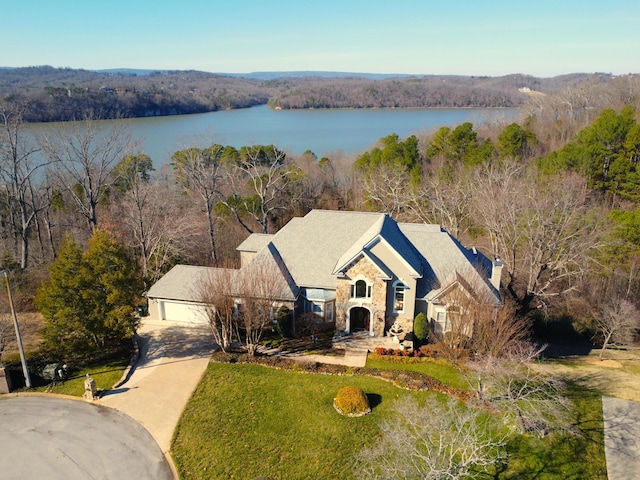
[5,380]
[90,390]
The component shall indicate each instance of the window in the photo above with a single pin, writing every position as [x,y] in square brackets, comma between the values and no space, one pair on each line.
[398,298]
[329,313]
[450,319]
[360,289]
[441,321]
[312,307]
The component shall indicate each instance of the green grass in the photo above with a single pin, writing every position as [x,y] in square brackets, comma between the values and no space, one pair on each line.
[437,369]
[567,457]
[105,374]
[244,421]
[248,420]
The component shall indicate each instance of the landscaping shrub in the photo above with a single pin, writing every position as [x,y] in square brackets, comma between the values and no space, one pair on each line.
[352,401]
[421,328]
[430,350]
[422,352]
[308,324]
[284,321]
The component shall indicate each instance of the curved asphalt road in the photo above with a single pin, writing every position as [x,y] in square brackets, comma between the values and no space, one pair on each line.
[56,438]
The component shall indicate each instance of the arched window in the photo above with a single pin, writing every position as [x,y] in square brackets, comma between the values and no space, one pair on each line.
[360,289]
[398,296]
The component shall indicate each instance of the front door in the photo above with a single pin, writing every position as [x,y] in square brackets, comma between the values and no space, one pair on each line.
[359,319]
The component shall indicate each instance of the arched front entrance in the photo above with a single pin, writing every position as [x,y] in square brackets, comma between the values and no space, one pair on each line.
[359,319]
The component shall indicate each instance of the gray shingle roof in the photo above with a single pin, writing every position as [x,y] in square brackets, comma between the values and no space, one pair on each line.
[182,282]
[255,242]
[387,229]
[312,245]
[307,251]
[445,258]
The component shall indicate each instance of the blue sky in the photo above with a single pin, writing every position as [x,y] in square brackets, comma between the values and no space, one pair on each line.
[542,38]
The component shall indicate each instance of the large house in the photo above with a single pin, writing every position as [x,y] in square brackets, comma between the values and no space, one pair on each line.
[356,271]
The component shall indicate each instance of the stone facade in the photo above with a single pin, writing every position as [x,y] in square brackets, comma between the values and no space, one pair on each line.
[363,269]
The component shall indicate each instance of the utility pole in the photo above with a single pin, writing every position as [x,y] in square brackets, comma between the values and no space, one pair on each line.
[25,371]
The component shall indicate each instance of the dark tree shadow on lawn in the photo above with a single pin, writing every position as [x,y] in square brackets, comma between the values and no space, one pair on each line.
[374,400]
[561,455]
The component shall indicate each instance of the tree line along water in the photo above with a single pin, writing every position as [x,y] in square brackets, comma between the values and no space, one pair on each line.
[323,131]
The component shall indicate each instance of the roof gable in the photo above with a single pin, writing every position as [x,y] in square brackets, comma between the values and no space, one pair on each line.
[310,246]
[447,259]
[277,280]
[385,230]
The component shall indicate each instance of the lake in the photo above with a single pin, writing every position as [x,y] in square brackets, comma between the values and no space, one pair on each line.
[321,131]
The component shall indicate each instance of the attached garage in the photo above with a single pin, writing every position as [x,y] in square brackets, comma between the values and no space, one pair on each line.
[174,298]
[174,311]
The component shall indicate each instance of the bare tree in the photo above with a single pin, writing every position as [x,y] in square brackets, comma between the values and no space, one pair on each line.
[387,187]
[19,174]
[619,322]
[156,225]
[260,180]
[84,156]
[542,228]
[217,292]
[201,171]
[436,441]
[497,330]
[447,202]
[531,402]
[263,285]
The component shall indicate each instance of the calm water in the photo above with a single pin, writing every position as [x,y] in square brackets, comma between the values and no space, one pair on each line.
[321,131]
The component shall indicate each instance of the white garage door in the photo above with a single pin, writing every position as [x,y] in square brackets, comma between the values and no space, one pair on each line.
[182,312]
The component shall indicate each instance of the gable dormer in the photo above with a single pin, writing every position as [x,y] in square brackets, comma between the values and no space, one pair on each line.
[251,246]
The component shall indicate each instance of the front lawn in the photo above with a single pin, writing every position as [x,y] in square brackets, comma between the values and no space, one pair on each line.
[438,369]
[246,421]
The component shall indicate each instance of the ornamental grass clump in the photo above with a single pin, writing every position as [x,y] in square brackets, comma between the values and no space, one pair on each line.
[352,402]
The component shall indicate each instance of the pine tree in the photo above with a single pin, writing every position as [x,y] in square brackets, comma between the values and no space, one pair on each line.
[89,301]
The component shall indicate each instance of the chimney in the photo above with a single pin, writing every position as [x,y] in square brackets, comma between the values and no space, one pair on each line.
[496,272]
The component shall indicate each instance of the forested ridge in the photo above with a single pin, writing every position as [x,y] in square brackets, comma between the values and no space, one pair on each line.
[62,94]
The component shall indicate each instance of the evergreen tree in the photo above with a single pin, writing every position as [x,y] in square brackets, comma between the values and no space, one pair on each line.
[421,328]
[89,301]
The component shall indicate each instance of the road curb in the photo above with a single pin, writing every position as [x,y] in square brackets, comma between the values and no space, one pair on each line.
[137,339]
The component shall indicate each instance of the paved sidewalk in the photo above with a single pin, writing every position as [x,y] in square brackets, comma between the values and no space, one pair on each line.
[621,438]
[353,358]
[172,361]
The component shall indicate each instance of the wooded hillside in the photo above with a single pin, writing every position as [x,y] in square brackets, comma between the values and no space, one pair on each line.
[53,94]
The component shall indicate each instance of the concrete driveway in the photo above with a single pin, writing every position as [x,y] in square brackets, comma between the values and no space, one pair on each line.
[621,438]
[62,439]
[173,359]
